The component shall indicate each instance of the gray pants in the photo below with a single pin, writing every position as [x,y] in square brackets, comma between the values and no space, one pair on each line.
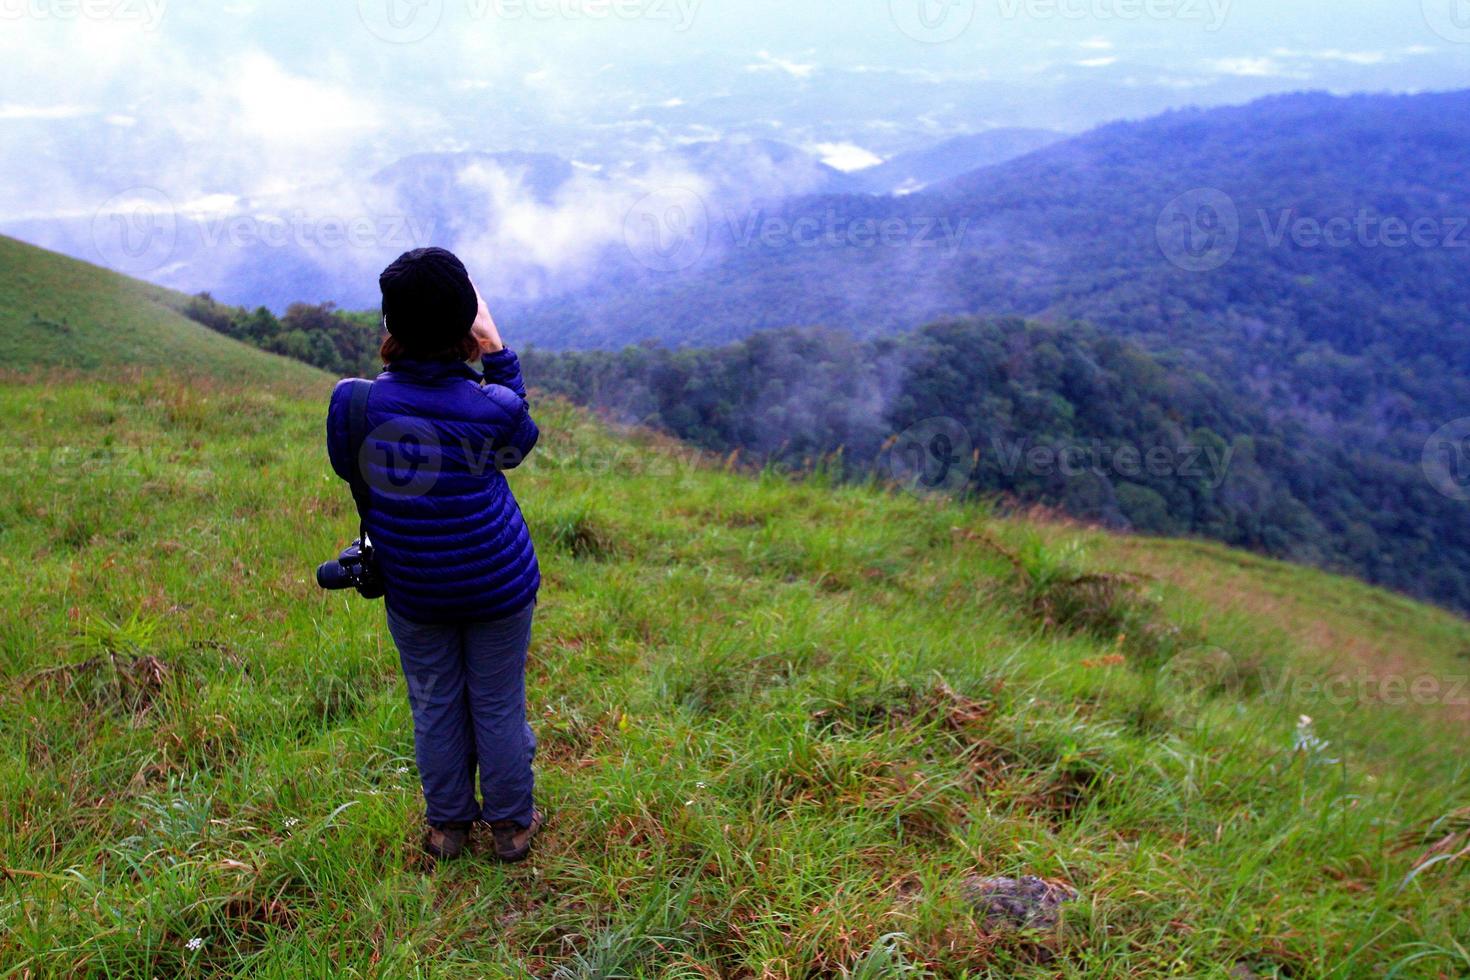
[467,689]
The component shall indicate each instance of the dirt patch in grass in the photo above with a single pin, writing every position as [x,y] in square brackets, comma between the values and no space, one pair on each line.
[582,535]
[565,736]
[906,705]
[1065,791]
[109,680]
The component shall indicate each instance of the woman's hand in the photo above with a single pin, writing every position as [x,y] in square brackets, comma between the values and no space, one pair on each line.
[484,329]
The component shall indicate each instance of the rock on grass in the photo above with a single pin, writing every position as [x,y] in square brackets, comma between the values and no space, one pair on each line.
[1017,903]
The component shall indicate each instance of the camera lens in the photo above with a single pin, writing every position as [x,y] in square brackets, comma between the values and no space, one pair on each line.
[332,575]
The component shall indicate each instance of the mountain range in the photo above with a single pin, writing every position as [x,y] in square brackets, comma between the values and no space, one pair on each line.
[1308,256]
[535,225]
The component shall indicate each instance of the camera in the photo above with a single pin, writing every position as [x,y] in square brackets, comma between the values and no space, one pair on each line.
[354,568]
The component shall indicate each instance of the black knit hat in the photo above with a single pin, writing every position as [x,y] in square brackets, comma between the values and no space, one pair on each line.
[428,300]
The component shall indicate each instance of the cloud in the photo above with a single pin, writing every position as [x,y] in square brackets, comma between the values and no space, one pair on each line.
[1354,57]
[209,205]
[847,157]
[1246,67]
[1097,62]
[770,63]
[188,107]
[1364,58]
[525,247]
[277,106]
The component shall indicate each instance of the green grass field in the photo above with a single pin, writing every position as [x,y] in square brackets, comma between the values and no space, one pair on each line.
[58,312]
[781,722]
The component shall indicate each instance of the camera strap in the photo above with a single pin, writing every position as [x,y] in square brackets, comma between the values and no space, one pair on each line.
[356,435]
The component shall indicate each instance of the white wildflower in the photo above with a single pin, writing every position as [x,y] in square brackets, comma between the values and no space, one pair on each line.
[1308,741]
[194,945]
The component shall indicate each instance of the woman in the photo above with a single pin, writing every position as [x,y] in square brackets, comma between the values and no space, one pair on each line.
[457,563]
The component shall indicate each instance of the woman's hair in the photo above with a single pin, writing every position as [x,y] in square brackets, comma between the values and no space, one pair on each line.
[393,350]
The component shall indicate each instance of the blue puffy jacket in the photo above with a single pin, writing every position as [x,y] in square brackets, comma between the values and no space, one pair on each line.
[449,535]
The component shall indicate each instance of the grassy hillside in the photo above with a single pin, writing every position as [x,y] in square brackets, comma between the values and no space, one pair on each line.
[780,723]
[56,311]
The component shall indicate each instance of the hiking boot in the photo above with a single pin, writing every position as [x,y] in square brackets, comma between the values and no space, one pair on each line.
[446,843]
[512,841]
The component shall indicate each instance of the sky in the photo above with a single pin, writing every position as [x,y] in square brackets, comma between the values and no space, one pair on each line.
[245,99]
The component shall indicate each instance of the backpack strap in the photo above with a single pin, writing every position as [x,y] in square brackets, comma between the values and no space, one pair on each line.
[356,435]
